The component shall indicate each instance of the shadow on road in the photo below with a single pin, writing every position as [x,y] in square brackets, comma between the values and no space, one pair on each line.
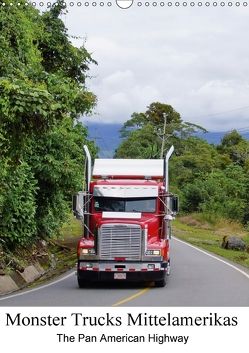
[117,285]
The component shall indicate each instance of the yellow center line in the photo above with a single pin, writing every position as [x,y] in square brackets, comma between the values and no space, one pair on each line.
[125,300]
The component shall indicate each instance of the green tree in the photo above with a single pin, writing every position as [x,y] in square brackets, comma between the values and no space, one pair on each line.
[140,143]
[160,121]
[57,161]
[222,193]
[208,178]
[18,206]
[235,148]
[193,157]
[43,93]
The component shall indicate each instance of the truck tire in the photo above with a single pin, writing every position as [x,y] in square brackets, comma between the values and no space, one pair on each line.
[82,283]
[161,283]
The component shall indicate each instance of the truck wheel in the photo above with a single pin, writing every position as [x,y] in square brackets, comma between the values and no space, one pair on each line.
[161,283]
[82,283]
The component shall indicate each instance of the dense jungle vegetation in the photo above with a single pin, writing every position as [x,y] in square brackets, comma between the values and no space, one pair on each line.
[42,95]
[208,178]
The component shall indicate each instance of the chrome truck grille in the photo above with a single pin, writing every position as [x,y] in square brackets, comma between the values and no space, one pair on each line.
[123,241]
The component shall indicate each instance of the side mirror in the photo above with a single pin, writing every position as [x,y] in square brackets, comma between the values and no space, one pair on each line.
[175,204]
[78,205]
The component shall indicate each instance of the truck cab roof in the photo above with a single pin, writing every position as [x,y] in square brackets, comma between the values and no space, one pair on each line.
[126,188]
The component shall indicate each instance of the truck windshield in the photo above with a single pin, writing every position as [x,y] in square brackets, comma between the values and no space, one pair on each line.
[112,204]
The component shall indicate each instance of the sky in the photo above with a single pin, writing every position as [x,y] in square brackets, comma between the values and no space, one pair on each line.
[195,58]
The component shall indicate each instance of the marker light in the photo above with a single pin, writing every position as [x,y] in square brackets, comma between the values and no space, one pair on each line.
[87,251]
[151,266]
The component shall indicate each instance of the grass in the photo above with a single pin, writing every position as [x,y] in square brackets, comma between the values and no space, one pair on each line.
[63,249]
[56,255]
[206,232]
[72,228]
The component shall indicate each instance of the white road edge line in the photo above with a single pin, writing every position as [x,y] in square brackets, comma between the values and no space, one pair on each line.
[214,257]
[38,288]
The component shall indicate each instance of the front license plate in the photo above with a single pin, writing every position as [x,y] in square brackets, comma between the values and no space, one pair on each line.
[119,275]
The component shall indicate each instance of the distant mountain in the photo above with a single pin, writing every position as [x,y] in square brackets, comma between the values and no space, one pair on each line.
[216,137]
[107,137]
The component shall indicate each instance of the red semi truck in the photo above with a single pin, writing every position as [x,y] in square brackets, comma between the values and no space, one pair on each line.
[126,211]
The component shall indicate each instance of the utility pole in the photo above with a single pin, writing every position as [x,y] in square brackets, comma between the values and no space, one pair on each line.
[164,133]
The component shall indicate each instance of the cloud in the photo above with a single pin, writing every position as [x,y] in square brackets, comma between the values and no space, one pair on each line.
[195,59]
[120,94]
[125,79]
[221,104]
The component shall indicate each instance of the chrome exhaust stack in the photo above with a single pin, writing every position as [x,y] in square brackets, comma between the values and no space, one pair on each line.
[88,168]
[166,166]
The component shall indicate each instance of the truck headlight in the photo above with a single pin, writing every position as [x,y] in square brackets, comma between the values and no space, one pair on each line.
[88,251]
[153,252]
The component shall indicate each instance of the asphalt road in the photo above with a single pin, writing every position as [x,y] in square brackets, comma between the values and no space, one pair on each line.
[197,279]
